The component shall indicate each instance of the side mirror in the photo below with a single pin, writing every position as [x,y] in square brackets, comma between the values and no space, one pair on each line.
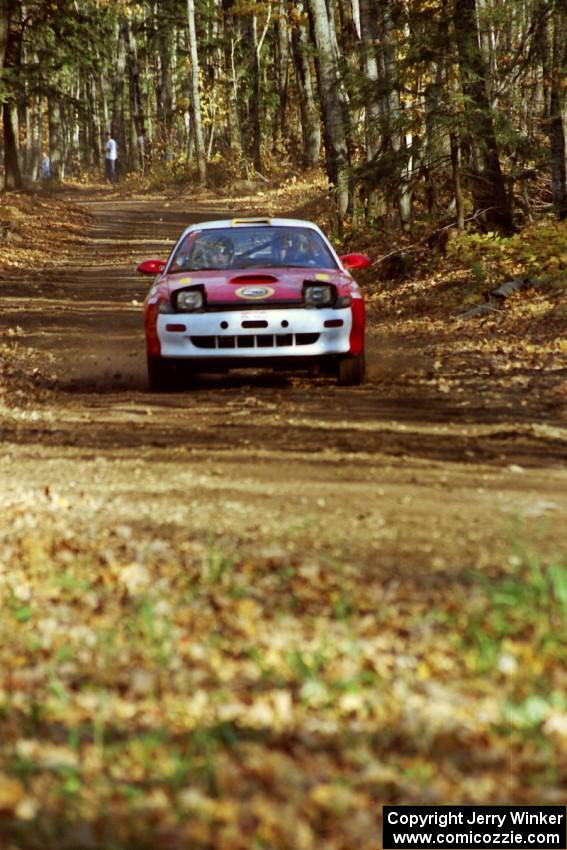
[355,261]
[152,267]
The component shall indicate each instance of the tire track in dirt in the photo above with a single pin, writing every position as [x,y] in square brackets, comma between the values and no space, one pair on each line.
[442,474]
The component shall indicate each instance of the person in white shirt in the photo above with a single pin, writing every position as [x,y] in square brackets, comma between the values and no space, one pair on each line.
[45,166]
[110,157]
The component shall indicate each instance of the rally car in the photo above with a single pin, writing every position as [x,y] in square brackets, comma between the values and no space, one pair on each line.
[259,292]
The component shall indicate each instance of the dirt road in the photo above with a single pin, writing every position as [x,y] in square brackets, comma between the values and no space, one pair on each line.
[255,605]
[395,473]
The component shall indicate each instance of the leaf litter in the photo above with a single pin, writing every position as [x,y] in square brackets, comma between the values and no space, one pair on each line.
[234,688]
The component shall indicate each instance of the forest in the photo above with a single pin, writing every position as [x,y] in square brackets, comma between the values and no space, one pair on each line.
[423,111]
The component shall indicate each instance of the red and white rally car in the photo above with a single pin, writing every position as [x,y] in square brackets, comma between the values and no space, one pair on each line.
[260,292]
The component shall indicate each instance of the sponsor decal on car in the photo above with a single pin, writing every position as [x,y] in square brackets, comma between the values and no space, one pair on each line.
[255,293]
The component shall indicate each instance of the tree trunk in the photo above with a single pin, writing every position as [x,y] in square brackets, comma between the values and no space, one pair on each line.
[56,152]
[215,81]
[457,187]
[236,141]
[105,114]
[179,116]
[335,126]
[256,45]
[369,39]
[197,123]
[12,174]
[541,44]
[5,16]
[78,128]
[368,28]
[309,113]
[163,83]
[139,141]
[95,133]
[395,142]
[557,116]
[282,73]
[35,130]
[118,128]
[487,49]
[357,17]
[24,135]
[488,185]
[10,53]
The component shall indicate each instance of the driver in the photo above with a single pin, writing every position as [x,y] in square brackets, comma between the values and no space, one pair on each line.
[220,252]
[206,251]
[294,250]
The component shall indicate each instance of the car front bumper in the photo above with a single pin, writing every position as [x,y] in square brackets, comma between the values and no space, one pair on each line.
[243,335]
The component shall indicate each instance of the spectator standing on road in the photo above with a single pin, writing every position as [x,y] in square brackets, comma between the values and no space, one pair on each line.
[45,166]
[110,157]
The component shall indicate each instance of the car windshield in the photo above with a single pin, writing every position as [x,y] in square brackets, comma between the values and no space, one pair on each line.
[250,246]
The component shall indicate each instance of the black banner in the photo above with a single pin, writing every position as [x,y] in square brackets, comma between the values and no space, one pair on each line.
[479,827]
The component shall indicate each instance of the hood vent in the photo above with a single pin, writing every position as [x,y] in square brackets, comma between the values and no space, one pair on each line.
[253,279]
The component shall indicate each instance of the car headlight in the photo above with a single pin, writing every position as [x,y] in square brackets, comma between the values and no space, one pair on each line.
[189,299]
[319,295]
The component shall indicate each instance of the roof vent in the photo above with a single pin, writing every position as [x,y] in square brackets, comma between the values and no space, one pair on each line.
[237,221]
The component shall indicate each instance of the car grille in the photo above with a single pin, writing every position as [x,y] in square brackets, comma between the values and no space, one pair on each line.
[224,306]
[253,340]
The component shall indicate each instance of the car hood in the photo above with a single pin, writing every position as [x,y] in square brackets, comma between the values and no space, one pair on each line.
[249,286]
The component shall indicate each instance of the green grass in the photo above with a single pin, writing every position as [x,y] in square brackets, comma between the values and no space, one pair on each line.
[225,697]
[527,603]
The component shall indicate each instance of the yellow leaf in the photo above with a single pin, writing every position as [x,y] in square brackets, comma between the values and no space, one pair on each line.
[248,616]
[11,794]
[27,809]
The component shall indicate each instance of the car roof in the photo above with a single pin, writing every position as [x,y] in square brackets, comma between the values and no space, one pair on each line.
[247,222]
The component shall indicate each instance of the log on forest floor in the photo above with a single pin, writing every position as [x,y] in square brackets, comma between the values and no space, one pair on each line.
[499,295]
[479,310]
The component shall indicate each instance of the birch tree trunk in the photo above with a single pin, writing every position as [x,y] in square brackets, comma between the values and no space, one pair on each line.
[35,132]
[256,45]
[335,126]
[356,17]
[163,82]
[118,124]
[236,141]
[99,90]
[395,141]
[139,141]
[95,132]
[373,113]
[197,124]
[177,116]
[369,39]
[214,82]
[282,72]
[56,146]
